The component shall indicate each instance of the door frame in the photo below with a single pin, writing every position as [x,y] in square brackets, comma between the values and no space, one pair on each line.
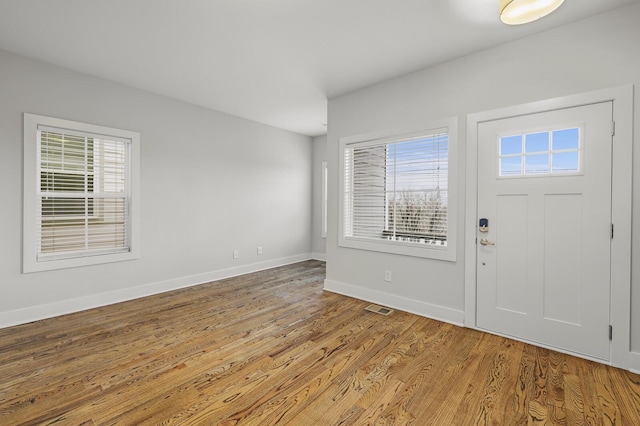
[621,203]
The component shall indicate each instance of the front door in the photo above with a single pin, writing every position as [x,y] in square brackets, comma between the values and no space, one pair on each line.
[544,194]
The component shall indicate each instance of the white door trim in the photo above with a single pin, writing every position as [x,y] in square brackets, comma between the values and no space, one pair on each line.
[622,168]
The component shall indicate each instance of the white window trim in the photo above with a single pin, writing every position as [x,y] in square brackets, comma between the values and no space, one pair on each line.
[325,177]
[30,182]
[448,253]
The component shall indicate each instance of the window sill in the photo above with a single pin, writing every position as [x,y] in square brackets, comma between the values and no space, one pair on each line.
[53,264]
[427,251]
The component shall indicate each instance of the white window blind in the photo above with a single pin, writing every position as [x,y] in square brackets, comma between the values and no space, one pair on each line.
[397,191]
[83,196]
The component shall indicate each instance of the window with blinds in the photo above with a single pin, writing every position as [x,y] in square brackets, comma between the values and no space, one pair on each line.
[396,191]
[79,185]
[83,197]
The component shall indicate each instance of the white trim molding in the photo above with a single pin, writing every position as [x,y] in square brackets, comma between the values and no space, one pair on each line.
[428,310]
[63,307]
[31,186]
[622,172]
[319,256]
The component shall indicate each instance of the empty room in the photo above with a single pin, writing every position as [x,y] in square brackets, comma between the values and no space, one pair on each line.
[319,212]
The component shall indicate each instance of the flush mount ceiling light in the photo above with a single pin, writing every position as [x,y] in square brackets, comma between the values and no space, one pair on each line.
[516,12]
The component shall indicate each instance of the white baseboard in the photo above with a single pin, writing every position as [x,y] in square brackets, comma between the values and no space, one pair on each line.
[440,313]
[319,256]
[35,313]
[633,362]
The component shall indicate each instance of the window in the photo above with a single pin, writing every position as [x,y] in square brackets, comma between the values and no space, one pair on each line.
[325,184]
[80,182]
[540,153]
[396,193]
[66,165]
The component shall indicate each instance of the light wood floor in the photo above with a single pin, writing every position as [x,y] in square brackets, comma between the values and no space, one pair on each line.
[272,348]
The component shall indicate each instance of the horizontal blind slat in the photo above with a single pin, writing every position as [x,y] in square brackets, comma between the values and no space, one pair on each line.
[83,199]
[397,190]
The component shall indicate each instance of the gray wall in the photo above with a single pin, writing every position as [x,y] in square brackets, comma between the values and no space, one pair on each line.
[318,242]
[210,183]
[596,53]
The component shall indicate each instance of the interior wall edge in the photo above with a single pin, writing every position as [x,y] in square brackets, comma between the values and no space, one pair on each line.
[319,256]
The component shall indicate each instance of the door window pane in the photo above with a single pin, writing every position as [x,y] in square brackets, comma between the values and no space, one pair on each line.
[565,162]
[511,145]
[511,166]
[566,139]
[536,164]
[537,142]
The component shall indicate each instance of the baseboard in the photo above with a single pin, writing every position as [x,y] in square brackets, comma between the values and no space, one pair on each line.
[63,307]
[319,256]
[440,313]
[633,363]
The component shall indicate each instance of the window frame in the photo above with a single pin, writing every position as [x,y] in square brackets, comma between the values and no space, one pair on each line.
[446,253]
[31,182]
[325,185]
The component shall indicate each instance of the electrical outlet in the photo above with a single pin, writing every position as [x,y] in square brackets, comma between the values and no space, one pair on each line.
[387,276]
[236,254]
[259,250]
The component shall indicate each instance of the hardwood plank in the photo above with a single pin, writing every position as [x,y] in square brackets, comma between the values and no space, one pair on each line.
[626,392]
[497,372]
[604,392]
[555,389]
[272,348]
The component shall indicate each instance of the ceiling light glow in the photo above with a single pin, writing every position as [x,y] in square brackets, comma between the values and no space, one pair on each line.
[516,12]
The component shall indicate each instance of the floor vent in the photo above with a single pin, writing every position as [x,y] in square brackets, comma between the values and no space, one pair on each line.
[379,309]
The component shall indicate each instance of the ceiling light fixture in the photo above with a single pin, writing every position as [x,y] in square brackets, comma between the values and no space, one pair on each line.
[516,12]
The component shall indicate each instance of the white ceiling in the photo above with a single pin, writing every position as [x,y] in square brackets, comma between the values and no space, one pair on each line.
[272,61]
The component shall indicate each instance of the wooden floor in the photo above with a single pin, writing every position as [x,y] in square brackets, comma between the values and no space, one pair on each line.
[272,348]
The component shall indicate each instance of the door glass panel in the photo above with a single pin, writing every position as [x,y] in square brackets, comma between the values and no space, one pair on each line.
[536,164]
[511,166]
[511,145]
[566,139]
[565,162]
[540,153]
[537,142]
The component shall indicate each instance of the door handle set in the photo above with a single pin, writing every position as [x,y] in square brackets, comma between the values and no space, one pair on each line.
[483,226]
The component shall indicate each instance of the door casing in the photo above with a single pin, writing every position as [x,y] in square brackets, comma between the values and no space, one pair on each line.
[622,167]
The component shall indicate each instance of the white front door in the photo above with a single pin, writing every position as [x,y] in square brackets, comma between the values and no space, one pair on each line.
[544,188]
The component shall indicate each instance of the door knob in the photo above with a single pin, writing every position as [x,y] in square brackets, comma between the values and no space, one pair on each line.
[486,242]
